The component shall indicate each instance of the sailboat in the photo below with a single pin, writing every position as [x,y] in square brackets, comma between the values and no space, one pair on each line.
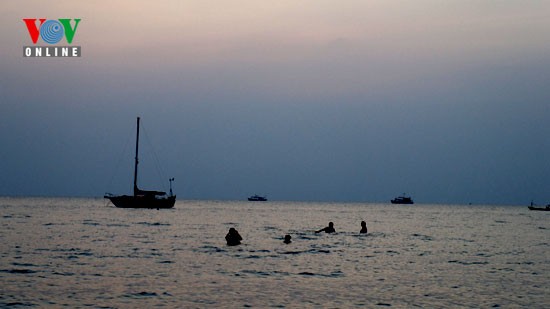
[142,198]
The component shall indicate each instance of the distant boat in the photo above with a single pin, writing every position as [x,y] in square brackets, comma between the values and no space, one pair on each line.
[257,198]
[547,208]
[142,198]
[403,199]
[532,207]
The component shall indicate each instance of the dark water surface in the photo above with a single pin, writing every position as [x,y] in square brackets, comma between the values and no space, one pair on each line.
[82,253]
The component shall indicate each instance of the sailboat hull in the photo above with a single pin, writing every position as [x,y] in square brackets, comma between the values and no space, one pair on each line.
[129,201]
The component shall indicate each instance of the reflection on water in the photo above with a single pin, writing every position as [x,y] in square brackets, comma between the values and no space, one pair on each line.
[80,252]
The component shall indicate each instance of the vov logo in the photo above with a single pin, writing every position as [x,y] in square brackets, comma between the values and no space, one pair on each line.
[51,31]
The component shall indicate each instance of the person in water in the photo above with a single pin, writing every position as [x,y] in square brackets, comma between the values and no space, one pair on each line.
[363,227]
[287,239]
[233,238]
[328,229]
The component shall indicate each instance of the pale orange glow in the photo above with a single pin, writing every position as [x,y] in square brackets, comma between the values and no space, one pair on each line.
[201,31]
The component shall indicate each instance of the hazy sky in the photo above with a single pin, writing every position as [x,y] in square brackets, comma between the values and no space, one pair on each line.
[338,100]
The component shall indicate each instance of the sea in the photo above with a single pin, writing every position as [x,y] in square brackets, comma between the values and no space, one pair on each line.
[85,253]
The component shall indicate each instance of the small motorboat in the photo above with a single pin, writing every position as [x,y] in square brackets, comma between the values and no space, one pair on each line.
[257,198]
[403,199]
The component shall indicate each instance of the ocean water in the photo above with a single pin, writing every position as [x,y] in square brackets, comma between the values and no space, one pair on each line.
[87,253]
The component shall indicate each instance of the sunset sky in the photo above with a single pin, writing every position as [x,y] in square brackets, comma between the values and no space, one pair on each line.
[448,101]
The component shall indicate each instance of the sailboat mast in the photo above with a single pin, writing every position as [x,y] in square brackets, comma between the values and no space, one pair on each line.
[136,162]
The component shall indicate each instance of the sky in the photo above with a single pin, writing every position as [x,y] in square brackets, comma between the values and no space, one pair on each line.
[321,100]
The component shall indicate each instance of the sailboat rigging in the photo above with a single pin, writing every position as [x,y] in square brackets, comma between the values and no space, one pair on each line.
[142,198]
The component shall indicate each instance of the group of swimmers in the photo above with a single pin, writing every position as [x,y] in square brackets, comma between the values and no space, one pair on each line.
[233,237]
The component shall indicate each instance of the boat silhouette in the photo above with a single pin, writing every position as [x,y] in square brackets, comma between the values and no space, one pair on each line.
[547,208]
[257,198]
[142,198]
[532,207]
[403,199]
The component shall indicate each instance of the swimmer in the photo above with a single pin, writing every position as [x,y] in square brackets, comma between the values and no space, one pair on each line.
[328,229]
[363,227]
[287,239]
[233,238]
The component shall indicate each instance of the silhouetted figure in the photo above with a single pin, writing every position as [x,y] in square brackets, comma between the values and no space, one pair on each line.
[328,229]
[363,227]
[287,239]
[233,238]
